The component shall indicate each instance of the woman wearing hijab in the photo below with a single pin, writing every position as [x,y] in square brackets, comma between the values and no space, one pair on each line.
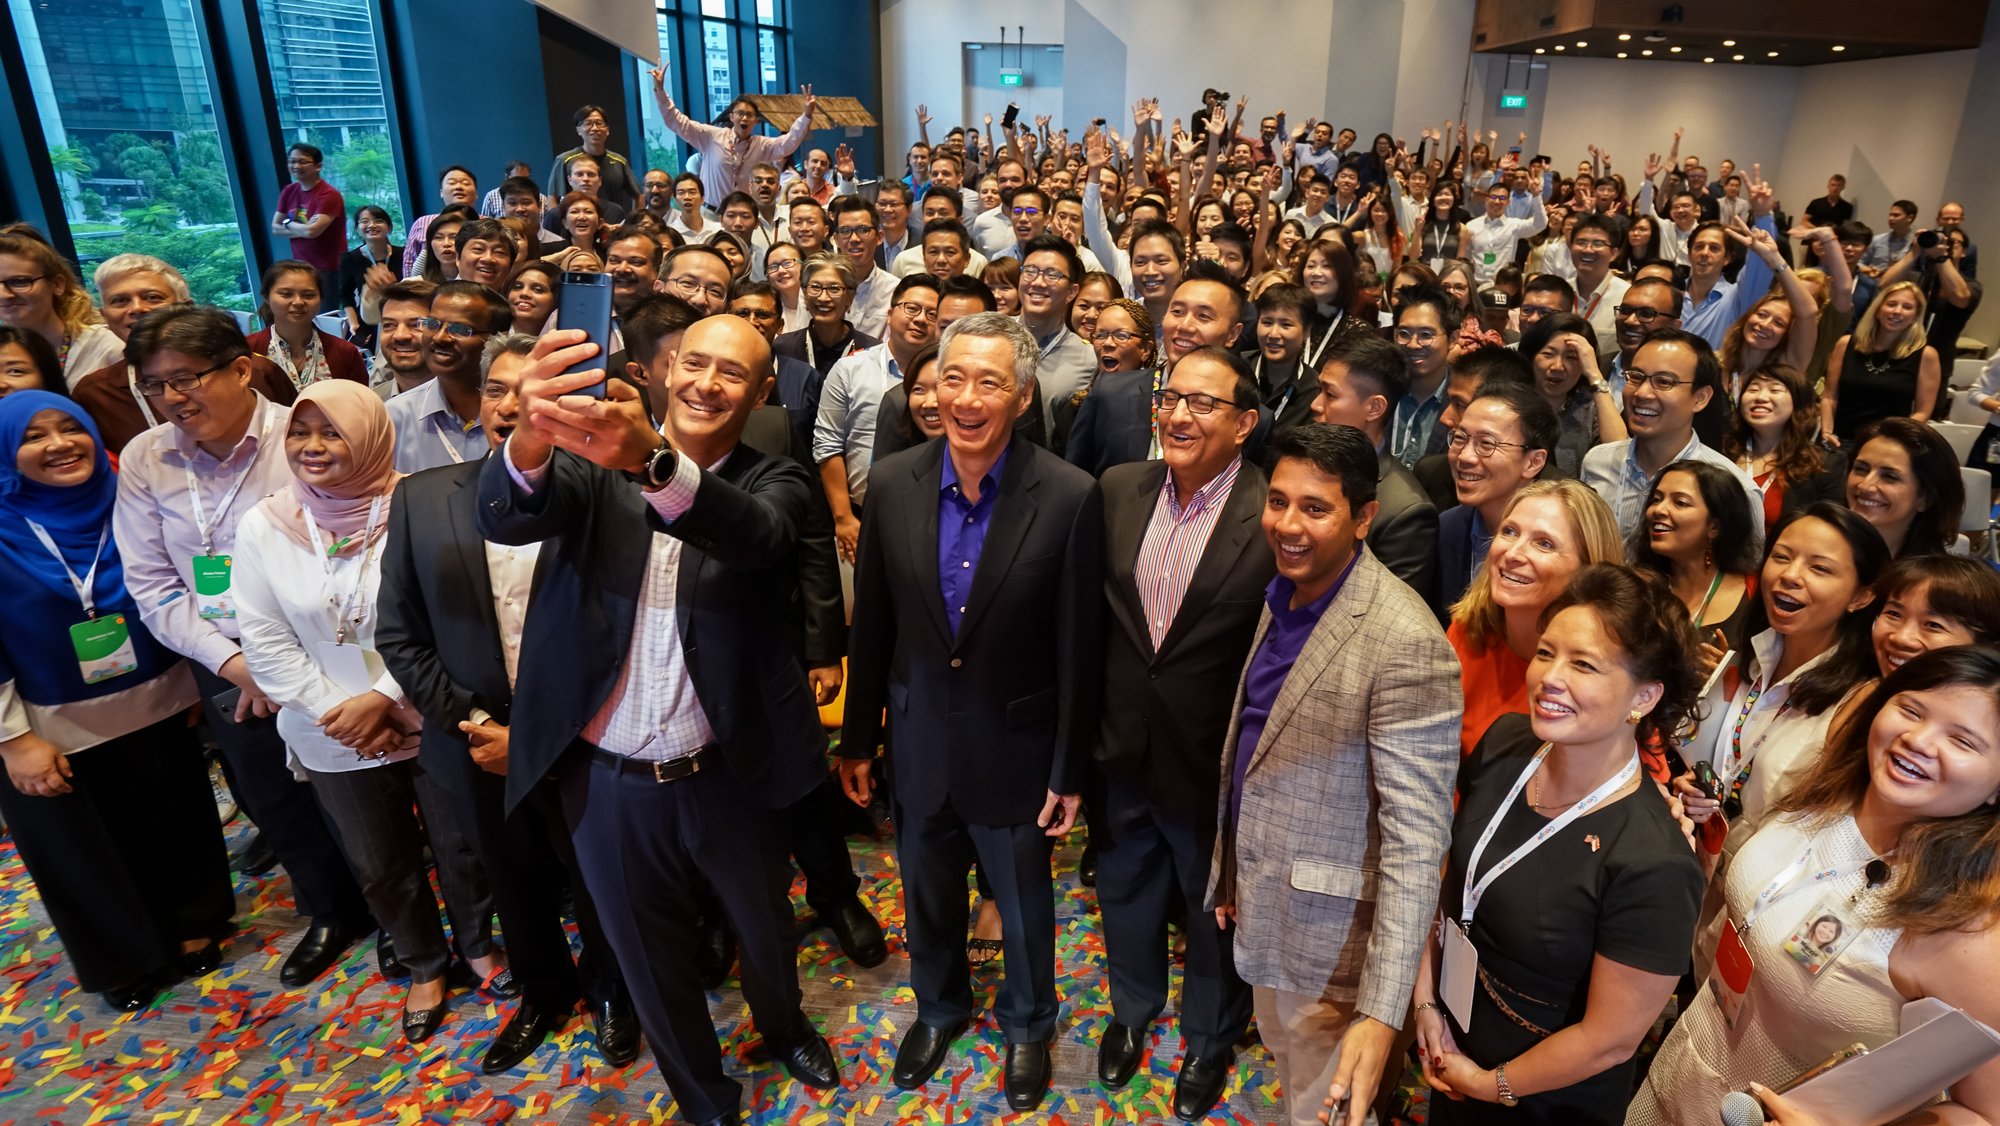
[307,565]
[106,792]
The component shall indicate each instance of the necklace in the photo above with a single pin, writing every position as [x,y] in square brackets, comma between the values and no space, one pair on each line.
[1535,786]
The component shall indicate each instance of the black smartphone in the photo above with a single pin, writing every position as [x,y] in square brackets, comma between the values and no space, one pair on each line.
[586,305]
[224,703]
[1704,777]
[1013,111]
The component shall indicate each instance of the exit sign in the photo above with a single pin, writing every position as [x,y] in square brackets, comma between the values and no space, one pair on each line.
[1513,101]
[1010,78]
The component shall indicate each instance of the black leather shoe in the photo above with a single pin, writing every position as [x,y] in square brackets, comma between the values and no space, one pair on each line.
[391,966]
[1027,1075]
[320,947]
[715,954]
[254,857]
[730,1119]
[202,962]
[1086,867]
[131,998]
[859,935]
[617,1031]
[523,1033]
[922,1051]
[420,1025]
[1118,1054]
[1199,1085]
[810,1061]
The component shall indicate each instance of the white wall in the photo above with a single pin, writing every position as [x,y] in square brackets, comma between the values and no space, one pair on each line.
[1888,125]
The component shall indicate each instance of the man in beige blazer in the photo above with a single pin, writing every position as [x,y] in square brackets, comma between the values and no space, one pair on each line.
[1337,776]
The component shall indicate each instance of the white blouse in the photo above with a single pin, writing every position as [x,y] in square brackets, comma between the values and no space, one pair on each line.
[283,609]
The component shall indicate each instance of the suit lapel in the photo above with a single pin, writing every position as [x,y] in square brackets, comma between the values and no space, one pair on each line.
[1234,529]
[1128,537]
[463,505]
[929,472]
[1339,623]
[1013,515]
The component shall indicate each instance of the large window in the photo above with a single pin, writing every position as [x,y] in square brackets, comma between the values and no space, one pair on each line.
[326,75]
[718,49]
[124,103]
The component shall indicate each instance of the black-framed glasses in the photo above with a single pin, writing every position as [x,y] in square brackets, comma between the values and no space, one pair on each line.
[450,328]
[687,285]
[1640,313]
[154,388]
[1043,273]
[1485,445]
[917,310]
[21,283]
[1029,212]
[825,289]
[1114,336]
[1662,382]
[853,232]
[1198,402]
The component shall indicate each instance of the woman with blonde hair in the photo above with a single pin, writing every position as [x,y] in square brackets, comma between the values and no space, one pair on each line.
[1885,369]
[44,296]
[1548,532]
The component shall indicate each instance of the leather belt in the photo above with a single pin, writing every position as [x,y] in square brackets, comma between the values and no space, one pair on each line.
[661,770]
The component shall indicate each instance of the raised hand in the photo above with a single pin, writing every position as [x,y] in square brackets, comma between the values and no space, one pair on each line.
[659,74]
[923,114]
[989,121]
[1096,153]
[1141,113]
[1654,164]
[806,92]
[843,161]
[1761,202]
[1042,122]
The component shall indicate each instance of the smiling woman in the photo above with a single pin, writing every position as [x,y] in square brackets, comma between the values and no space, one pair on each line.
[292,340]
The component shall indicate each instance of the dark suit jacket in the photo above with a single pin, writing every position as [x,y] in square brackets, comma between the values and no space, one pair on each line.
[740,543]
[1830,483]
[1115,423]
[891,439]
[797,391]
[1405,533]
[437,632]
[106,396]
[990,719]
[1172,706]
[1454,555]
[1433,474]
[793,344]
[818,594]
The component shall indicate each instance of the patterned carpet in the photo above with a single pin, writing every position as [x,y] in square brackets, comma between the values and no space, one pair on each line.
[236,1047]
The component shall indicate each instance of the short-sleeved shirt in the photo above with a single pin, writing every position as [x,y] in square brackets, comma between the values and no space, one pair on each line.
[299,204]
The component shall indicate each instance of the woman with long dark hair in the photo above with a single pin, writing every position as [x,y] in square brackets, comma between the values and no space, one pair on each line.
[1905,481]
[1773,436]
[1698,534]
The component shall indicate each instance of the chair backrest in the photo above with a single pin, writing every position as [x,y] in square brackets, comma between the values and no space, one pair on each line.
[1966,371]
[1965,408]
[333,324]
[1978,513]
[1960,436]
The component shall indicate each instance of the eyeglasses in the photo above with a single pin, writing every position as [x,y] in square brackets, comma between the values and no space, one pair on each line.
[450,328]
[1114,336]
[1660,381]
[21,284]
[1424,336]
[1042,273]
[1198,402]
[689,285]
[853,232]
[825,289]
[1485,445]
[785,266]
[154,388]
[1028,211]
[1590,244]
[918,311]
[1640,313]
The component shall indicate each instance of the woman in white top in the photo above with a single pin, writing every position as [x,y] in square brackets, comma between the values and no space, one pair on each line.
[307,566]
[1870,887]
[39,293]
[1927,602]
[784,268]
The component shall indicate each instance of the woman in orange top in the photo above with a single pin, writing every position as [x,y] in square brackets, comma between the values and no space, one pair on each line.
[1549,532]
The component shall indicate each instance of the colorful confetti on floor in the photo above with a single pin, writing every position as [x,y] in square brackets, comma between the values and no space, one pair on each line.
[235,1047]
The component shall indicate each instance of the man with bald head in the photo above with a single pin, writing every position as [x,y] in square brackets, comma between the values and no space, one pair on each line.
[670,772]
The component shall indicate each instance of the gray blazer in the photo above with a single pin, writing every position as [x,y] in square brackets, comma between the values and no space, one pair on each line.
[1334,868]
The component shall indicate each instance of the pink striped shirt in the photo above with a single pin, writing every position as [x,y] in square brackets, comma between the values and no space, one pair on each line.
[1175,539]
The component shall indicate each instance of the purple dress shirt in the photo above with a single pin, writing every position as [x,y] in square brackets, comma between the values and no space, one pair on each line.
[962,529]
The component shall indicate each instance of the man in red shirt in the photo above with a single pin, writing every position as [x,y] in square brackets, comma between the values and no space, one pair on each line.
[313,215]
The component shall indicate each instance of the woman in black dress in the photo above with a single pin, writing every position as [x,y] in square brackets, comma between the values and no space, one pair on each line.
[1697,532]
[1886,369]
[1557,958]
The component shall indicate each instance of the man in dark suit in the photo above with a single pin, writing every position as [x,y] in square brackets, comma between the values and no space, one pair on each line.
[452,610]
[975,624]
[667,543]
[1185,570]
[1360,380]
[798,386]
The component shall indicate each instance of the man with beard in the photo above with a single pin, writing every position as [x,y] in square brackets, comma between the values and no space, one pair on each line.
[438,422]
[403,340]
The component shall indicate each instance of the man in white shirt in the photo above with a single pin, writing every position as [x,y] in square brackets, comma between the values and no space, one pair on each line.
[857,233]
[993,231]
[1031,210]
[1312,213]
[1669,380]
[1492,236]
[1593,244]
[437,423]
[893,203]
[940,211]
[1051,278]
[729,156]
[690,218]
[850,403]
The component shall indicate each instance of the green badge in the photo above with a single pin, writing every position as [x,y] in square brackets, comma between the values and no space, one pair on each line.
[1490,258]
[211,586]
[103,648]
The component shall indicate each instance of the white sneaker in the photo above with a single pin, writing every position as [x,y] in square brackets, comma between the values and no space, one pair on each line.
[225,803]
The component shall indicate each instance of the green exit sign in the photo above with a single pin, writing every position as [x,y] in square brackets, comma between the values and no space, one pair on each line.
[1513,101]
[1010,78]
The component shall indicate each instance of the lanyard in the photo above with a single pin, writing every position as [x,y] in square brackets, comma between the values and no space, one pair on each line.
[202,523]
[1475,892]
[812,356]
[145,408]
[1710,597]
[1787,882]
[444,439]
[1312,361]
[83,585]
[347,610]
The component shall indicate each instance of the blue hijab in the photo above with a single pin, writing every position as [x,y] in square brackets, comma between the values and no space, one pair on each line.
[73,516]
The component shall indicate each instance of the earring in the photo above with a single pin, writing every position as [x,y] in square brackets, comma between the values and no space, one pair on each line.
[1635,716]
[1708,555]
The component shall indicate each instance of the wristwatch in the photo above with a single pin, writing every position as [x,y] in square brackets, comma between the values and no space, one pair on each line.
[657,469]
[1506,1093]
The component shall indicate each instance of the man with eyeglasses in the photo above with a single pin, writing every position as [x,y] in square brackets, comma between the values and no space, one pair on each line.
[617,184]
[1051,277]
[657,191]
[1494,235]
[182,487]
[730,158]
[850,404]
[1505,438]
[1031,211]
[1470,372]
[313,215]
[1184,579]
[1542,295]
[1648,304]
[438,422]
[857,231]
[1593,246]
[993,231]
[1425,320]
[1360,380]
[1672,376]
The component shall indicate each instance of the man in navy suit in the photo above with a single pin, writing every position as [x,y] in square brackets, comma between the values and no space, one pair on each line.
[671,704]
[976,603]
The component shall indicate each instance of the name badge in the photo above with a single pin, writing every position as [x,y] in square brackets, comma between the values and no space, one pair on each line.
[1829,928]
[103,648]
[1460,971]
[1729,978]
[211,587]
[352,669]
[1490,257]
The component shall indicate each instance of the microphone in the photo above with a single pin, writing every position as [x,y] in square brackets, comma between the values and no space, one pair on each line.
[1878,873]
[1741,1109]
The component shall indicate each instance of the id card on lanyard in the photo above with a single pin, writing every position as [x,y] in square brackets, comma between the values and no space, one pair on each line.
[1461,960]
[211,571]
[1729,979]
[103,646]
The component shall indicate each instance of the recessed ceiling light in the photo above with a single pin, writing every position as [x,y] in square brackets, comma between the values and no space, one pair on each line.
[1541,50]
[1709,59]
[1559,46]
[1675,50]
[1839,48]
[1648,52]
[1655,37]
[1738,58]
[1582,43]
[1624,36]
[1770,54]
[1729,43]
[1621,54]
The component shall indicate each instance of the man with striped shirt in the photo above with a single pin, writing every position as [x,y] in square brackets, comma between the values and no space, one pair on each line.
[1187,565]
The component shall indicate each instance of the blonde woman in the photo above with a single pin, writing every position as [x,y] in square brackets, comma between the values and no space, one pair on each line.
[39,293]
[1886,369]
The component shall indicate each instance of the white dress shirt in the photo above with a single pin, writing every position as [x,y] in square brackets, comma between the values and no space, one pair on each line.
[1492,241]
[869,314]
[911,261]
[709,226]
[95,347]
[653,713]
[1613,470]
[284,599]
[158,536]
[849,405]
[510,571]
[1117,263]
[992,231]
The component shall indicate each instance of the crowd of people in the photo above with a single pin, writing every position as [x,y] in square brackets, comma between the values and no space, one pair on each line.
[1455,633]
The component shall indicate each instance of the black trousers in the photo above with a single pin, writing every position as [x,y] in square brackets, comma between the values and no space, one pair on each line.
[820,848]
[130,863]
[935,854]
[1147,865]
[644,847]
[374,810]
[528,858]
[285,811]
